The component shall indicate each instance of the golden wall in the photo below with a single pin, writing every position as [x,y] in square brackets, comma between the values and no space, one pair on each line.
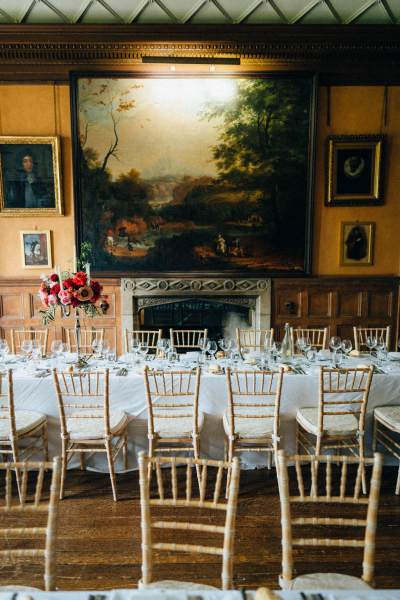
[27,109]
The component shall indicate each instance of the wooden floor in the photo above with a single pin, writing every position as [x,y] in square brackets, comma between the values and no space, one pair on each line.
[99,540]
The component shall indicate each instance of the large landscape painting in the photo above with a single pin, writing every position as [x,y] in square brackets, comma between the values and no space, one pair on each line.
[207,174]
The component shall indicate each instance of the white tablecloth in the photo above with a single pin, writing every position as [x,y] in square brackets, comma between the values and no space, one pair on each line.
[127,394]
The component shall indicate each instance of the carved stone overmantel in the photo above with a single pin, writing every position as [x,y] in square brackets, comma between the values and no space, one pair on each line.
[137,293]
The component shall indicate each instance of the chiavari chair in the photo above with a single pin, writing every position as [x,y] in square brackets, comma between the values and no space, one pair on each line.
[338,423]
[187,338]
[251,422]
[327,499]
[22,541]
[253,339]
[23,433]
[88,426]
[181,504]
[149,337]
[88,339]
[386,433]
[174,422]
[317,337]
[34,335]
[361,334]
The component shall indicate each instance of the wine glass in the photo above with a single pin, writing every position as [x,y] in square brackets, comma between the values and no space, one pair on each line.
[306,345]
[55,348]
[36,351]
[347,347]
[277,349]
[338,359]
[212,348]
[144,348]
[371,342]
[300,343]
[335,343]
[380,343]
[4,350]
[225,344]
[105,346]
[26,348]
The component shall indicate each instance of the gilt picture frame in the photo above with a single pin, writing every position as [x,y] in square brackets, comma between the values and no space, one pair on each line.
[36,249]
[357,242]
[354,170]
[30,180]
[156,190]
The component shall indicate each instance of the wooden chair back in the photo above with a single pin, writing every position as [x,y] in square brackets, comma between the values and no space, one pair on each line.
[87,338]
[254,395]
[82,396]
[209,494]
[31,505]
[172,395]
[361,334]
[149,337]
[315,486]
[344,392]
[37,335]
[318,337]
[7,410]
[253,339]
[187,338]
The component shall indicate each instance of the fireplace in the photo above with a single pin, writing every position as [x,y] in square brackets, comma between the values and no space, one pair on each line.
[195,302]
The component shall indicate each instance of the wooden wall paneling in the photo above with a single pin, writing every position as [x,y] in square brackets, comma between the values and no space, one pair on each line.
[336,302]
[20,305]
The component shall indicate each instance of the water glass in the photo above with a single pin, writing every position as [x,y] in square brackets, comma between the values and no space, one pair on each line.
[26,349]
[311,354]
[144,349]
[371,343]
[337,359]
[347,347]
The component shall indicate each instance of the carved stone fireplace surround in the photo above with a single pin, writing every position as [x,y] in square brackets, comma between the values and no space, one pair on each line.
[137,293]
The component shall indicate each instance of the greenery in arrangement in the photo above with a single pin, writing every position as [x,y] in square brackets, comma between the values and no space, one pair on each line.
[244,207]
[68,291]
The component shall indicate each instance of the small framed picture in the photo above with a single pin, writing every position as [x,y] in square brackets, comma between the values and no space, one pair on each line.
[355,170]
[357,244]
[36,249]
[30,176]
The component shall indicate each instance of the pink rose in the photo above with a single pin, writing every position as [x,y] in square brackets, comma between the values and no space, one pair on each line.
[44,297]
[52,300]
[65,297]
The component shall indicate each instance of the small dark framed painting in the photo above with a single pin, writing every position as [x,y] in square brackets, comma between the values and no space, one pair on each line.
[30,176]
[36,249]
[355,170]
[357,244]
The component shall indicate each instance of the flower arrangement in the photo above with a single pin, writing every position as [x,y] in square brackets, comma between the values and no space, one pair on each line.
[71,290]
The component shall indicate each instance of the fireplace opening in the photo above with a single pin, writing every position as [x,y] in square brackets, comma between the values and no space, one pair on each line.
[220,317]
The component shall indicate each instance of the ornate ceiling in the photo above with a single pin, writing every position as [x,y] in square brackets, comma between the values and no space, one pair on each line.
[334,12]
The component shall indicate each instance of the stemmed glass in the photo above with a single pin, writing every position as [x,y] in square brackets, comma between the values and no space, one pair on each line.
[371,343]
[203,347]
[26,348]
[212,348]
[347,347]
[144,348]
[335,343]
[226,345]
[4,350]
[276,350]
[135,347]
[300,343]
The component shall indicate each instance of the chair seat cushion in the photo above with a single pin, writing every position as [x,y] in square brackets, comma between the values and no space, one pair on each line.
[325,581]
[389,416]
[333,424]
[93,429]
[250,428]
[25,421]
[170,427]
[170,584]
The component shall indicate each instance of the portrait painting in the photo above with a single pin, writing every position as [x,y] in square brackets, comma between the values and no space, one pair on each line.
[29,176]
[357,243]
[36,249]
[208,174]
[355,170]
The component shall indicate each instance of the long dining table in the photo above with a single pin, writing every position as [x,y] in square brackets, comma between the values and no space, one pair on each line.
[127,393]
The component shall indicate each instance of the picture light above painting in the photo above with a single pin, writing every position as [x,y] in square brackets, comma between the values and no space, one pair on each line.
[207,174]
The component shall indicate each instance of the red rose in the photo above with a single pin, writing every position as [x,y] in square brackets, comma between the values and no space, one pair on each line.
[54,277]
[68,283]
[55,289]
[96,287]
[74,302]
[79,279]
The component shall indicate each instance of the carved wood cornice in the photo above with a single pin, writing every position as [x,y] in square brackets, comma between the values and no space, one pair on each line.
[66,47]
